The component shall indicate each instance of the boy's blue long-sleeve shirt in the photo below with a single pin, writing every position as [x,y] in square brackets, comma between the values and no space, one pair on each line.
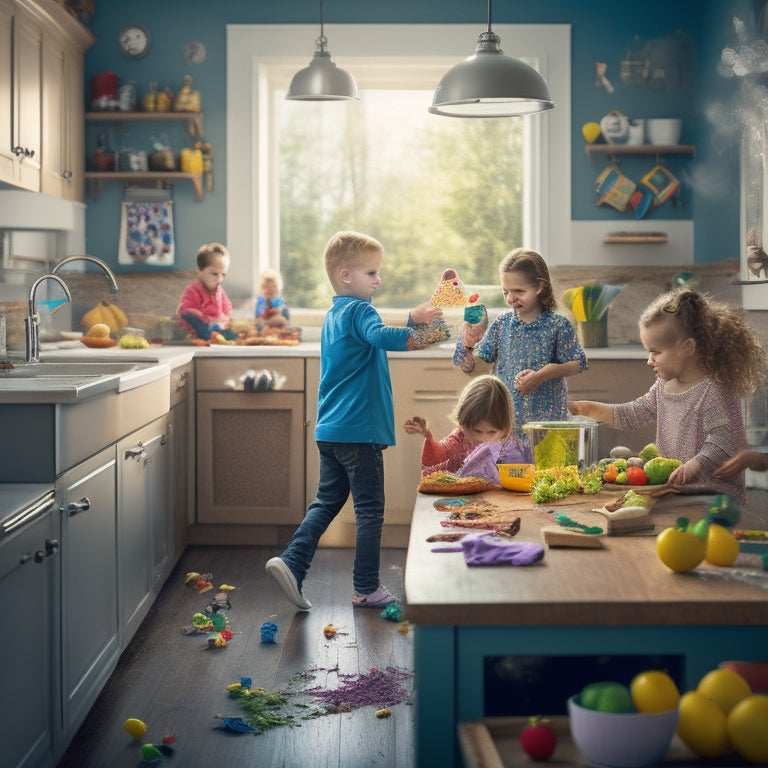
[355,395]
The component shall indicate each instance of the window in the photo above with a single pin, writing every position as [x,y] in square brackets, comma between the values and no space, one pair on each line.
[460,193]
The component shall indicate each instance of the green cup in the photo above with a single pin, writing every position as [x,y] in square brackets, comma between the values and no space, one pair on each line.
[474,313]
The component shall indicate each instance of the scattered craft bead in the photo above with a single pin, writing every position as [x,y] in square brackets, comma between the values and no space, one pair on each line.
[150,753]
[135,727]
[392,612]
[329,631]
[268,632]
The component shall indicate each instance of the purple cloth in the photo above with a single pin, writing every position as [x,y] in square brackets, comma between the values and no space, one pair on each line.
[490,549]
[447,546]
[483,460]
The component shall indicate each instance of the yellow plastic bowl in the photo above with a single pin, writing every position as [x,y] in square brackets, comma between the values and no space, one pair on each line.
[516,477]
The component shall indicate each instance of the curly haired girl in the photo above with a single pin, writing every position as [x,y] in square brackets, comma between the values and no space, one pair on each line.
[705,358]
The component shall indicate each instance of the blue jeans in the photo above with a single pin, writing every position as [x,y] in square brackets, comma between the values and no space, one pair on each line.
[344,467]
[203,330]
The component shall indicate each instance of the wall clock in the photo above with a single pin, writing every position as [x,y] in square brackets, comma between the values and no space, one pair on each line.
[194,52]
[134,41]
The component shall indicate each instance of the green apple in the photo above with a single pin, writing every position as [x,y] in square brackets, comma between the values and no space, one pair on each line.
[606,697]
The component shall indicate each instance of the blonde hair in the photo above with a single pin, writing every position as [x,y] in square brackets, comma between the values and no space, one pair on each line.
[208,252]
[533,268]
[344,249]
[274,276]
[727,348]
[486,398]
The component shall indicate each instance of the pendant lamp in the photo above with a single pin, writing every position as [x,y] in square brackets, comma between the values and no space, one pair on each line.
[490,84]
[322,80]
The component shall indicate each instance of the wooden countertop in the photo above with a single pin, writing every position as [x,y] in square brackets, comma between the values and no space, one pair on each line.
[622,584]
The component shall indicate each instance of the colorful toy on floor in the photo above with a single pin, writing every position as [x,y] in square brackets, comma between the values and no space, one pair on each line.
[392,612]
[235,724]
[268,632]
[330,631]
[135,727]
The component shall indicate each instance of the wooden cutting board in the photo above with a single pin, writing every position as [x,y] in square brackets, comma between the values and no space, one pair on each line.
[558,536]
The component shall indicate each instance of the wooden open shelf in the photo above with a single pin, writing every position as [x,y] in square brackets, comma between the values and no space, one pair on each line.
[636,237]
[193,120]
[146,178]
[639,149]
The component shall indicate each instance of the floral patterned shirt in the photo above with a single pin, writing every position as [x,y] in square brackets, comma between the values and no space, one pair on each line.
[702,423]
[512,346]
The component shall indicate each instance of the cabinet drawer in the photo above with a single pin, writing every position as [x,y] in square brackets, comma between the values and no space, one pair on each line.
[211,374]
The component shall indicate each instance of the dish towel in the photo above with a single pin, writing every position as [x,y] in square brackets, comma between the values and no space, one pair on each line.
[146,228]
[488,549]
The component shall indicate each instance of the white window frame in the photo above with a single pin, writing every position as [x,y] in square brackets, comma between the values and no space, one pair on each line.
[261,58]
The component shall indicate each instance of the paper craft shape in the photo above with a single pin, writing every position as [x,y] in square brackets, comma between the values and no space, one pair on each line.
[450,291]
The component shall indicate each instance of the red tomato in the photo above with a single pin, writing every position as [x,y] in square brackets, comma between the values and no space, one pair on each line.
[538,740]
[636,476]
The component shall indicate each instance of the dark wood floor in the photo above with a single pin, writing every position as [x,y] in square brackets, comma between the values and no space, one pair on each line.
[172,683]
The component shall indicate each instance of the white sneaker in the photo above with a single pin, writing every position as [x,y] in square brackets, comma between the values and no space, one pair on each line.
[283,576]
[381,598]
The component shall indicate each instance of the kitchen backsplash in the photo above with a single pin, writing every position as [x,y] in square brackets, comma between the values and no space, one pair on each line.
[148,297]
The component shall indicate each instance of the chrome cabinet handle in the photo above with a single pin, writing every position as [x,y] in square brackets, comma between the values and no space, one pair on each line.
[66,174]
[18,151]
[75,507]
[139,452]
[51,548]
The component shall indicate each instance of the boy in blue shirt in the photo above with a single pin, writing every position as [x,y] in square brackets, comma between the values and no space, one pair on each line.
[355,420]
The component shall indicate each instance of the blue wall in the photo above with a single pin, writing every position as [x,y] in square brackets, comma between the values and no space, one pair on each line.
[601,31]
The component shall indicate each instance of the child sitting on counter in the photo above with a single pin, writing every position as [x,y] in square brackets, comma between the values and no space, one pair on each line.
[271,308]
[484,413]
[204,307]
[705,358]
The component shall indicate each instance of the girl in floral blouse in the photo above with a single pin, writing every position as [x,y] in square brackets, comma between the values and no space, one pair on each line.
[532,348]
[706,358]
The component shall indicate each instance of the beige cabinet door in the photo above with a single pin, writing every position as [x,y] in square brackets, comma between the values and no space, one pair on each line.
[7,158]
[250,457]
[63,123]
[27,61]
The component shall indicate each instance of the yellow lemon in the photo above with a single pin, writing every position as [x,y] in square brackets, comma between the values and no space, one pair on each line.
[135,727]
[701,725]
[722,546]
[746,728]
[725,687]
[591,132]
[654,691]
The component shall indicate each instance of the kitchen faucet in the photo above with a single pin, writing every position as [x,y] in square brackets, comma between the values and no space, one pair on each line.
[32,321]
[93,260]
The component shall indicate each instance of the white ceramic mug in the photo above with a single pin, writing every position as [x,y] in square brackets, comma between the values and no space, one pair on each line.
[636,132]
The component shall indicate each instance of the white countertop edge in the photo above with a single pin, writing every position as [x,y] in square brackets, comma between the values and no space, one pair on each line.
[181,355]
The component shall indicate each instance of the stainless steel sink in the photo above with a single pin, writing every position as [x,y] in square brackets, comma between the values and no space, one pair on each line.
[79,370]
[63,381]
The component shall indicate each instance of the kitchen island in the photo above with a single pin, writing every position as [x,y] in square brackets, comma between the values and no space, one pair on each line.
[616,600]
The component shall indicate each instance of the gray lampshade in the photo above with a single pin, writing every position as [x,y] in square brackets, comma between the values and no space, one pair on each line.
[322,80]
[490,84]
